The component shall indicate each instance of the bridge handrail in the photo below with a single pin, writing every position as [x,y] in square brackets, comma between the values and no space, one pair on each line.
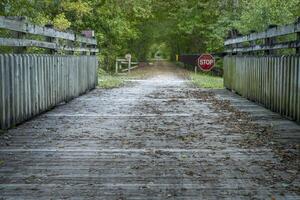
[235,44]
[22,27]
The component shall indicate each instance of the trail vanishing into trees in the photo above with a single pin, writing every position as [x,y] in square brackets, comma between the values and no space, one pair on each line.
[145,27]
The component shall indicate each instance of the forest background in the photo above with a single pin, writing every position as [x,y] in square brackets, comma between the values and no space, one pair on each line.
[145,27]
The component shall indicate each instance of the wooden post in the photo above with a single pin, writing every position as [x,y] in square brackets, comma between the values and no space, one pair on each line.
[129,65]
[88,34]
[252,43]
[71,45]
[270,42]
[51,39]
[128,59]
[83,45]
[117,65]
[93,53]
[298,38]
[19,35]
[232,34]
[240,45]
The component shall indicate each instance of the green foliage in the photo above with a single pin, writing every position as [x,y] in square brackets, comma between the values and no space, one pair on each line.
[144,27]
[108,81]
[206,81]
[258,14]
[60,22]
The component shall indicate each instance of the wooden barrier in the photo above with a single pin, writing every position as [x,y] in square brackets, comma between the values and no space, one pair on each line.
[248,43]
[258,73]
[54,40]
[273,81]
[120,62]
[31,84]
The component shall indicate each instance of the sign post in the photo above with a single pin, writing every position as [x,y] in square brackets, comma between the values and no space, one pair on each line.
[128,58]
[206,62]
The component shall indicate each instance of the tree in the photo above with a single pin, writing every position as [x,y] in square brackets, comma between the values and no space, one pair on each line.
[139,26]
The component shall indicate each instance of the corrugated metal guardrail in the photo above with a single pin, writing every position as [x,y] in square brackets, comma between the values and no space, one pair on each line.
[31,84]
[270,80]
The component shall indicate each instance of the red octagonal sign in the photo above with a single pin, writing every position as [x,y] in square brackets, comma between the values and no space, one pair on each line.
[206,62]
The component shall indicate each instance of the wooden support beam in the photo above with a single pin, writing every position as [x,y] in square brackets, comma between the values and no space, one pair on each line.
[298,37]
[26,27]
[93,47]
[78,49]
[70,47]
[51,40]
[253,43]
[270,41]
[26,43]
[41,44]
[21,27]
[273,32]
[19,35]
[19,49]
[283,45]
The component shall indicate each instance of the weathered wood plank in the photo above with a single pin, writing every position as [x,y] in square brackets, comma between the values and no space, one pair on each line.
[2,90]
[80,151]
[26,43]
[26,27]
[285,45]
[41,44]
[298,90]
[31,84]
[272,81]
[273,32]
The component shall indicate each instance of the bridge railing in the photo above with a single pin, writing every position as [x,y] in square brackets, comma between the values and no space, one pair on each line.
[259,73]
[238,43]
[33,83]
[53,40]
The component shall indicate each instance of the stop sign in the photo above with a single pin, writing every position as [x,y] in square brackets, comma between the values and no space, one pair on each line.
[206,62]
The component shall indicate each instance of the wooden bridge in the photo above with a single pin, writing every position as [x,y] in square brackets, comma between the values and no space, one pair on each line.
[155,138]
[34,83]
[263,67]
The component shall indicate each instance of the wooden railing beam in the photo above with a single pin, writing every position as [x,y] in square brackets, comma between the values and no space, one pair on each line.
[283,45]
[41,44]
[273,32]
[26,27]
[21,27]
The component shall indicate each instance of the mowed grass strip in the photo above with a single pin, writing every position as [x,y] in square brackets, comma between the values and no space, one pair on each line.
[207,81]
[110,81]
[107,81]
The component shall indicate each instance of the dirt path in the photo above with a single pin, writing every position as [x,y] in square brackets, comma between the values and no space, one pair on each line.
[158,138]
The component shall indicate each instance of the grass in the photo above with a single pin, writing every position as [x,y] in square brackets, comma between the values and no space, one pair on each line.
[111,81]
[108,81]
[206,81]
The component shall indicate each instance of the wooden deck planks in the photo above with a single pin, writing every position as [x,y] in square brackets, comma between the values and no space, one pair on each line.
[162,142]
